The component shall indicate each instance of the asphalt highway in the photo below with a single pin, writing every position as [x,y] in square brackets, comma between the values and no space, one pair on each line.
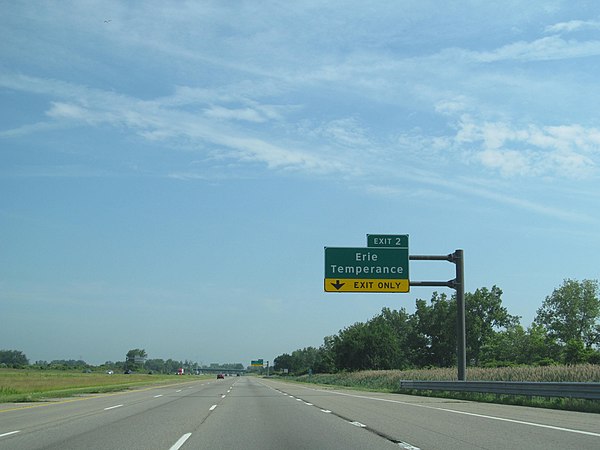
[255,413]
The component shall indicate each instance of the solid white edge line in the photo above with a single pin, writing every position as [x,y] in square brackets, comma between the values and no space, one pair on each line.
[112,407]
[9,433]
[181,441]
[483,416]
[212,408]
[521,422]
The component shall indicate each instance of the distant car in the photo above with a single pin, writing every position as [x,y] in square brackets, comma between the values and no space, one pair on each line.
[220,376]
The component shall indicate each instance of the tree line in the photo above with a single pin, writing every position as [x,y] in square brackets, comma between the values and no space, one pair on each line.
[566,330]
[136,360]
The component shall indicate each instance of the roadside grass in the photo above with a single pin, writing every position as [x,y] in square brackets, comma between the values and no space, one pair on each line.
[23,385]
[389,380]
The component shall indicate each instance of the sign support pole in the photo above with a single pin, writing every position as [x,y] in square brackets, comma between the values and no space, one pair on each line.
[458,284]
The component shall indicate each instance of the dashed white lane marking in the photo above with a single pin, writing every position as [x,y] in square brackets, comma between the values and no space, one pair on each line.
[406,446]
[181,441]
[112,407]
[212,408]
[179,390]
[358,424]
[159,395]
[402,445]
[9,433]
[223,396]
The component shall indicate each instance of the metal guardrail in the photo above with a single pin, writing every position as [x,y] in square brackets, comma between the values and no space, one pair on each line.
[590,391]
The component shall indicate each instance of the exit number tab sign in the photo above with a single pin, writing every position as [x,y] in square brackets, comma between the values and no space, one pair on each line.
[387,240]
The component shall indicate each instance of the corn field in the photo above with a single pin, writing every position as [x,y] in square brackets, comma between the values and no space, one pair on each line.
[389,379]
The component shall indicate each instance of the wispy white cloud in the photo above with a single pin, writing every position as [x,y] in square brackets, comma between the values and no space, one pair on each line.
[500,147]
[61,110]
[433,187]
[568,151]
[523,203]
[29,129]
[573,25]
[258,114]
[543,49]
[508,162]
[246,114]
[152,120]
[235,122]
[345,132]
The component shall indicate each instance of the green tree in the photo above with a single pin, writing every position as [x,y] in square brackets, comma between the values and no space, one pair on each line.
[540,347]
[417,351]
[387,335]
[484,316]
[571,313]
[574,352]
[135,359]
[13,358]
[350,348]
[304,359]
[282,362]
[515,345]
[435,327]
[155,365]
[326,360]
[171,366]
[380,343]
[68,364]
[504,348]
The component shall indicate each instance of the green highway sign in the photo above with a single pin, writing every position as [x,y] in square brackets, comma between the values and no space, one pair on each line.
[370,269]
[387,240]
[257,363]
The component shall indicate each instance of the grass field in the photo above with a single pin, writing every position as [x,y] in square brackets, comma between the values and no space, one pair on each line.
[23,385]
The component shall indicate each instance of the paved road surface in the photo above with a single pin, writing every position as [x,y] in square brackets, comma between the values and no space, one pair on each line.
[253,413]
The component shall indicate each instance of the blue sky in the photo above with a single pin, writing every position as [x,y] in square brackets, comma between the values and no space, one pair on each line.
[170,172]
